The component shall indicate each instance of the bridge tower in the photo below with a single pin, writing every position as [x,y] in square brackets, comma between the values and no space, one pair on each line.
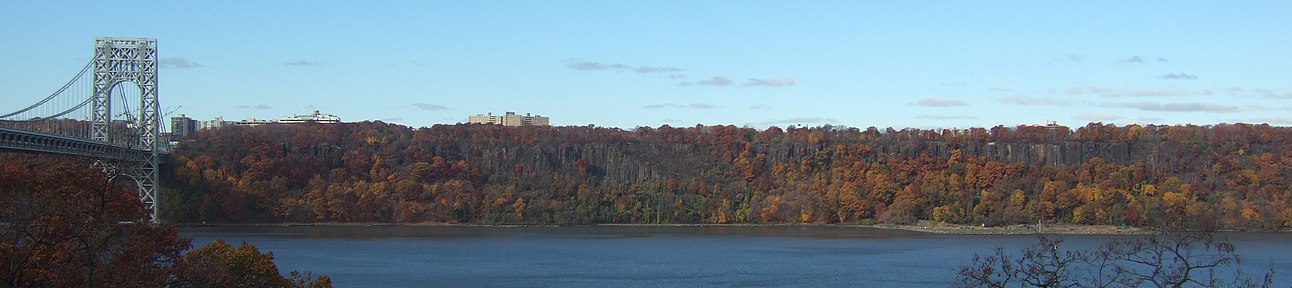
[117,61]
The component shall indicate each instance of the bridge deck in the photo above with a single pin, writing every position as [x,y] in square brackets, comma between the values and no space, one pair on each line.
[27,141]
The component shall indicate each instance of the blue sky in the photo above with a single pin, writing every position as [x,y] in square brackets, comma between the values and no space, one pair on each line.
[624,64]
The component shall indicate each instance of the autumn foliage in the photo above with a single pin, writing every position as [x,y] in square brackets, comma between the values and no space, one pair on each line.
[1229,176]
[64,224]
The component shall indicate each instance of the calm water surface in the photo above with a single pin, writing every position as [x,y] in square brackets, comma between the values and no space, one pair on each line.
[398,256]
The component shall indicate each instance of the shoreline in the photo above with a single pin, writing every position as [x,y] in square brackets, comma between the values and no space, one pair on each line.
[923,226]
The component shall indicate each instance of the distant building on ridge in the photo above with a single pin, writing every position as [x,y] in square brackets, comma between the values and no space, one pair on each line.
[316,117]
[216,123]
[312,118]
[181,126]
[509,119]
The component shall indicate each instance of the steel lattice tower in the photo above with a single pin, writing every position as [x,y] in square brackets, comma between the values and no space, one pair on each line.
[119,60]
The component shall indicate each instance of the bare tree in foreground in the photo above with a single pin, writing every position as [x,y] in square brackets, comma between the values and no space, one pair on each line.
[1172,259]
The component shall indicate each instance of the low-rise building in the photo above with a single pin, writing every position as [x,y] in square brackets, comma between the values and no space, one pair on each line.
[312,118]
[509,119]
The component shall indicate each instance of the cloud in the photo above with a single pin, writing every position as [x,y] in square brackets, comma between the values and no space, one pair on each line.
[582,65]
[1135,59]
[1110,92]
[177,62]
[1160,59]
[1033,101]
[302,63]
[676,76]
[760,107]
[1000,90]
[431,107]
[1088,90]
[666,105]
[587,66]
[1151,93]
[258,107]
[715,81]
[1287,95]
[1177,107]
[938,102]
[679,106]
[1096,117]
[769,82]
[655,69]
[1179,76]
[799,120]
[1075,57]
[946,117]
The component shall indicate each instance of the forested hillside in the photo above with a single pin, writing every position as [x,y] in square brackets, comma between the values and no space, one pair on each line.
[1226,176]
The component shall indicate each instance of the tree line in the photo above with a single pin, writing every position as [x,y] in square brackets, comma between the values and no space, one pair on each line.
[1229,176]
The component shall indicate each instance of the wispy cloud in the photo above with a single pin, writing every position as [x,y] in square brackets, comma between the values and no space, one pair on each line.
[1096,117]
[1179,76]
[938,102]
[946,117]
[1176,107]
[1033,101]
[431,107]
[760,107]
[680,106]
[715,81]
[769,82]
[800,120]
[302,63]
[257,107]
[1087,90]
[583,65]
[1133,59]
[1110,92]
[177,62]
[1152,93]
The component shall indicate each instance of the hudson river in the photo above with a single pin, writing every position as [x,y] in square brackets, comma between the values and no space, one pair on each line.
[434,256]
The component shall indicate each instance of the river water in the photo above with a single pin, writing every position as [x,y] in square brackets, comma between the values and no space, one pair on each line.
[436,256]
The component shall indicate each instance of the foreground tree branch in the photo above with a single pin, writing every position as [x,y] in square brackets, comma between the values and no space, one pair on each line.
[1168,259]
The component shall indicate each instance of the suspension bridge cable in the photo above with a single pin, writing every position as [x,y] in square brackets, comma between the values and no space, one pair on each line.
[56,93]
[65,112]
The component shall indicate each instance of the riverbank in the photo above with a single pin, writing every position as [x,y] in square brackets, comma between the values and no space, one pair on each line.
[1018,229]
[921,226]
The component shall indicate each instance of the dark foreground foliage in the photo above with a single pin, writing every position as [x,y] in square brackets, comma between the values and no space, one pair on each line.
[1230,176]
[63,224]
[1173,259]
